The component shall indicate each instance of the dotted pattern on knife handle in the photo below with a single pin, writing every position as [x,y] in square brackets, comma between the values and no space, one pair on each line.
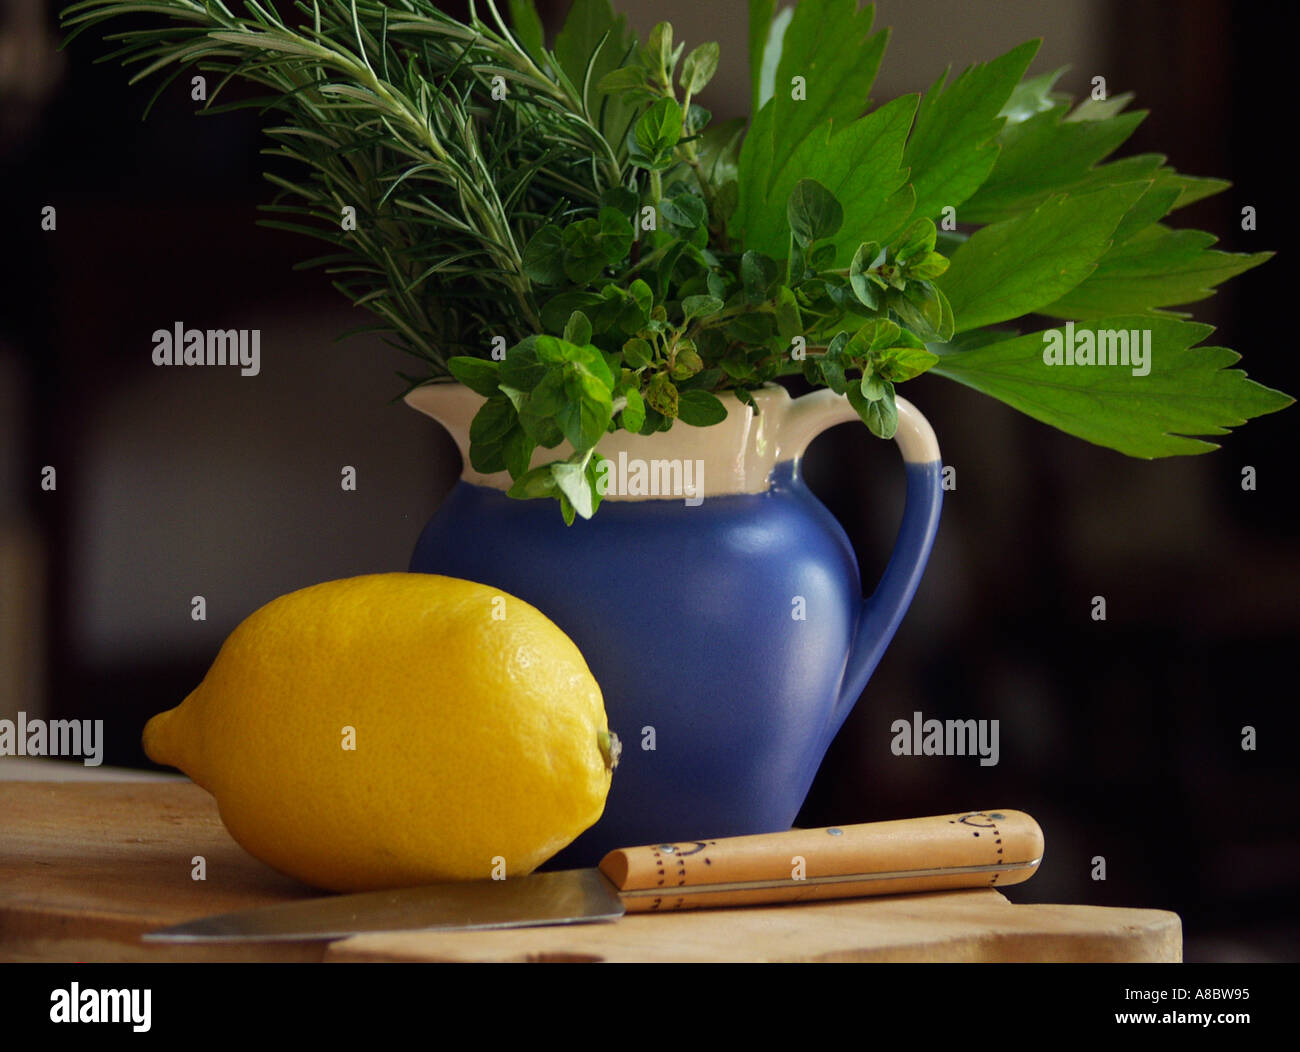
[671,868]
[991,832]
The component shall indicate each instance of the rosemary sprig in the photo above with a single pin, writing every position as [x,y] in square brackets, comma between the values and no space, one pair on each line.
[449,142]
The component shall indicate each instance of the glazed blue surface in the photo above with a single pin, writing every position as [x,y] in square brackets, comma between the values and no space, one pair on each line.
[685,618]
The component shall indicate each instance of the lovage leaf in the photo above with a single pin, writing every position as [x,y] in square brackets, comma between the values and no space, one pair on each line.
[1156,268]
[526,24]
[593,39]
[860,164]
[829,48]
[765,36]
[1032,95]
[1186,391]
[1019,265]
[951,150]
[1042,155]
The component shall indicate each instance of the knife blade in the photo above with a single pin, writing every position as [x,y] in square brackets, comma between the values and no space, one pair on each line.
[968,849]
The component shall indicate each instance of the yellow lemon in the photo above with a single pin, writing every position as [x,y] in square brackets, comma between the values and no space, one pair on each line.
[396,729]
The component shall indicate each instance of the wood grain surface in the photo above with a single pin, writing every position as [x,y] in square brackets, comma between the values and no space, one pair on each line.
[86,868]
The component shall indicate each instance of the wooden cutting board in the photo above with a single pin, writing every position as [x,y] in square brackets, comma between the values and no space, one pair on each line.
[85,868]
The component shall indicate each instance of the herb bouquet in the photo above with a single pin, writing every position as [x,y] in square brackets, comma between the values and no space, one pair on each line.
[562,228]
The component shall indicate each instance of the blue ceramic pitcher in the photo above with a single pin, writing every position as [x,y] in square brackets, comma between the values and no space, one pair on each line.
[716,600]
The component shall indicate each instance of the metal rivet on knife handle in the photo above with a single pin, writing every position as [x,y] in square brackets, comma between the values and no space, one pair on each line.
[967,849]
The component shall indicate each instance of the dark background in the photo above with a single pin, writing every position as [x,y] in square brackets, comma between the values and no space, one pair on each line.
[1121,737]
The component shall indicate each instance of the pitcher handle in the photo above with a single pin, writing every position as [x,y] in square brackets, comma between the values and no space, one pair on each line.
[883,610]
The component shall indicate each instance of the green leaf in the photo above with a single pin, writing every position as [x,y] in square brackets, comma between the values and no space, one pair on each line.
[526,25]
[700,409]
[699,67]
[920,309]
[1157,268]
[585,415]
[755,328]
[788,323]
[700,307]
[634,412]
[637,352]
[947,320]
[621,199]
[584,255]
[813,212]
[684,210]
[1043,155]
[657,55]
[718,149]
[876,335]
[659,127]
[904,363]
[764,38]
[1151,207]
[859,164]
[757,273]
[642,294]
[686,362]
[829,44]
[872,387]
[588,23]
[821,258]
[488,457]
[615,235]
[1019,265]
[661,396]
[928,266]
[578,328]
[1188,390]
[832,370]
[555,313]
[1091,109]
[880,415]
[704,380]
[518,398]
[478,374]
[543,257]
[951,149]
[546,399]
[866,290]
[493,421]
[1031,96]
[623,79]
[590,358]
[539,482]
[573,483]
[518,449]
[1194,188]
[915,242]
[521,370]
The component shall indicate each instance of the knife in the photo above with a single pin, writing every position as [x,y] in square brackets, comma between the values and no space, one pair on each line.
[970,849]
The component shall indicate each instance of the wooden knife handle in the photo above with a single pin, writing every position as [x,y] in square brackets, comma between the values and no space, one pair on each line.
[966,850]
